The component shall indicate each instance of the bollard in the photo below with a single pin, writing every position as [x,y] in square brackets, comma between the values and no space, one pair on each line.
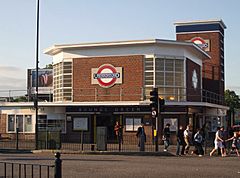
[58,166]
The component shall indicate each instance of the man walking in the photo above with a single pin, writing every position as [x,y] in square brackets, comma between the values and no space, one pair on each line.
[218,143]
[198,139]
[180,141]
[166,136]
[187,138]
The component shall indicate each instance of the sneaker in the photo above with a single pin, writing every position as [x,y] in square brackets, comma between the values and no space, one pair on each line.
[165,150]
[200,155]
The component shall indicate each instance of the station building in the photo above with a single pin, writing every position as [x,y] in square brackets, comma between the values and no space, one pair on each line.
[97,84]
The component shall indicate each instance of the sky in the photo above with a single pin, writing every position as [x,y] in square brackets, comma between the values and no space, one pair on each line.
[80,21]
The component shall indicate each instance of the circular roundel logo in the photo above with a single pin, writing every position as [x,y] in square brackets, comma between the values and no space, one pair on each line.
[200,42]
[106,75]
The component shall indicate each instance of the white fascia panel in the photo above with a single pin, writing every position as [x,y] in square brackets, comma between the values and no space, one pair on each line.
[109,51]
[57,58]
[168,51]
[193,57]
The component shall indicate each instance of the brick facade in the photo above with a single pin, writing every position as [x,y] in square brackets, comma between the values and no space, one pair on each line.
[211,67]
[129,90]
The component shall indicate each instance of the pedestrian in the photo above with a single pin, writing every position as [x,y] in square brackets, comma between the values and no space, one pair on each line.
[218,143]
[166,136]
[180,141]
[187,138]
[223,135]
[235,145]
[118,132]
[141,137]
[198,140]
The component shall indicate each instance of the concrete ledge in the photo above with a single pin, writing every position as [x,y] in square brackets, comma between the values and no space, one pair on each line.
[14,151]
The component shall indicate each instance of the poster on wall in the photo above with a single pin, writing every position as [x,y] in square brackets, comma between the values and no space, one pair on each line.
[173,123]
[137,123]
[80,124]
[132,124]
[129,124]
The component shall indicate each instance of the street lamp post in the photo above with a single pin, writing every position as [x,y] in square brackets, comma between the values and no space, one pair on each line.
[36,77]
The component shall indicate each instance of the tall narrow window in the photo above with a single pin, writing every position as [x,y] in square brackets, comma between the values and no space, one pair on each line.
[11,123]
[19,122]
[28,123]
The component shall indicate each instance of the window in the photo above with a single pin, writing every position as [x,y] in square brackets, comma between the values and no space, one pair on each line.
[22,122]
[167,75]
[149,71]
[28,123]
[132,123]
[51,124]
[62,80]
[11,123]
[19,122]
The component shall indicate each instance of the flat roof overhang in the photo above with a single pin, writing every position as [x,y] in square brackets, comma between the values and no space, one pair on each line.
[111,103]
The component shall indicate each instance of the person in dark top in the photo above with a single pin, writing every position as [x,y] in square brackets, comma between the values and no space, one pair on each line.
[197,140]
[166,136]
[118,132]
[141,134]
[180,141]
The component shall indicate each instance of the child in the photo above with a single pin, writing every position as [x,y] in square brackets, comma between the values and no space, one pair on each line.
[234,143]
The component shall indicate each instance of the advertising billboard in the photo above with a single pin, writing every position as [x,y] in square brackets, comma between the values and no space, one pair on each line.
[45,81]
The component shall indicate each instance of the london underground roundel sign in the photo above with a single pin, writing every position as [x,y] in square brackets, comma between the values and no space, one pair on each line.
[200,42]
[106,75]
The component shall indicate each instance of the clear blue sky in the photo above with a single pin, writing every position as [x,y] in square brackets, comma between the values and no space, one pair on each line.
[77,21]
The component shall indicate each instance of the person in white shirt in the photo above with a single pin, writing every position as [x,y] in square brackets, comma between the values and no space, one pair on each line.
[218,142]
[187,137]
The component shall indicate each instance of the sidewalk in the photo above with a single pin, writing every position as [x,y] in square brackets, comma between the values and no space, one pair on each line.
[171,151]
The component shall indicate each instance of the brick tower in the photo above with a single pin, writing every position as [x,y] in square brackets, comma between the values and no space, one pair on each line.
[209,35]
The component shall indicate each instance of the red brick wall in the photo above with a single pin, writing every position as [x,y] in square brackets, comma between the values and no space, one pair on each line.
[211,67]
[3,118]
[83,90]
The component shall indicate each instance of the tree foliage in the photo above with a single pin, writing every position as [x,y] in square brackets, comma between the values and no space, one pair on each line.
[232,100]
[49,66]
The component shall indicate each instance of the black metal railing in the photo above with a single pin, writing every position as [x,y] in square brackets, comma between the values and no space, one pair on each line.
[14,169]
[127,94]
[10,169]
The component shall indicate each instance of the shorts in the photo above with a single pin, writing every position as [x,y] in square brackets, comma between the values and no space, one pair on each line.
[218,144]
[234,147]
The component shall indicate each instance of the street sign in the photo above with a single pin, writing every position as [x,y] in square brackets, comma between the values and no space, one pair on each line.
[154,113]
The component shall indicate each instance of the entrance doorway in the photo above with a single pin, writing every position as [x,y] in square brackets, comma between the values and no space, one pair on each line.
[107,120]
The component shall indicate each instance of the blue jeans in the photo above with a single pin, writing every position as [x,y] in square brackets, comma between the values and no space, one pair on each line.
[166,144]
[179,144]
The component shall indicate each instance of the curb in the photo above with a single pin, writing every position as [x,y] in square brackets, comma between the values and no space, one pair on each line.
[105,153]
[15,151]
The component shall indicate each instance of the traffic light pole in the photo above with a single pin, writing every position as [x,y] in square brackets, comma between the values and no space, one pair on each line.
[156,135]
[154,98]
[157,131]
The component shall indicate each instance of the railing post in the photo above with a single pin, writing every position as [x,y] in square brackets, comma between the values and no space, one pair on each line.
[58,166]
[17,138]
